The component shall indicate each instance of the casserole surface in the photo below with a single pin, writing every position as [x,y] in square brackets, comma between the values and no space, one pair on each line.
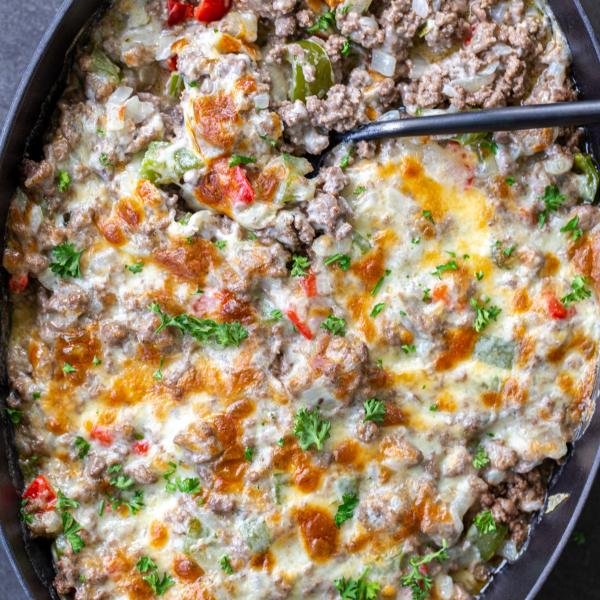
[409,162]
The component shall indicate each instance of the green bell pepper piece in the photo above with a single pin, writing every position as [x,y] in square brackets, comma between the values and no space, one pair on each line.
[488,544]
[315,55]
[584,163]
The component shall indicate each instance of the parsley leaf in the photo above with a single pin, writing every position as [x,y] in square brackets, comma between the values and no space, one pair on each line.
[377,309]
[249,453]
[145,564]
[426,295]
[408,348]
[357,589]
[484,314]
[578,291]
[449,266]
[481,459]
[203,330]
[552,199]
[159,584]
[335,325]
[65,503]
[225,564]
[70,530]
[300,266]
[416,579]
[311,429]
[239,159]
[485,522]
[122,482]
[345,510]
[479,275]
[63,181]
[374,410]
[573,228]
[275,315]
[427,214]
[346,47]
[323,23]
[14,415]
[82,446]
[65,260]
[68,369]
[342,260]
[136,267]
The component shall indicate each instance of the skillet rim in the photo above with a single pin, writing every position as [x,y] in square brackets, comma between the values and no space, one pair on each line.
[32,580]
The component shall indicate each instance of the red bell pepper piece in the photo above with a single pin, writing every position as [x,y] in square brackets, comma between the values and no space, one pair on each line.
[172,62]
[178,12]
[102,435]
[309,284]
[211,10]
[41,491]
[556,308]
[302,327]
[243,191]
[141,447]
[18,283]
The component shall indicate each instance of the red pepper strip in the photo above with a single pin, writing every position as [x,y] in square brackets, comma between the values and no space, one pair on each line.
[141,447]
[178,12]
[211,10]
[243,191]
[102,435]
[172,62]
[556,308]
[309,284]
[18,283]
[302,327]
[40,491]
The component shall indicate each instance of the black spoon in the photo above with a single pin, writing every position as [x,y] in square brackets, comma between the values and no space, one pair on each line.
[534,116]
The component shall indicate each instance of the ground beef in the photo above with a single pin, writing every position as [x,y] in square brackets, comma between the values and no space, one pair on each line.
[514,500]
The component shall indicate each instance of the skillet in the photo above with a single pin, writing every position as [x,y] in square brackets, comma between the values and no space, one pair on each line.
[30,559]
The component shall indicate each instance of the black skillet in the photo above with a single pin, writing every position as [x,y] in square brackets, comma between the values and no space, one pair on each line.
[30,559]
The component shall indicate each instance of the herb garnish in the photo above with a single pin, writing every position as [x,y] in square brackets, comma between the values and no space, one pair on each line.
[335,325]
[553,199]
[342,260]
[345,510]
[484,314]
[65,260]
[300,266]
[573,228]
[374,410]
[578,292]
[311,429]
[417,579]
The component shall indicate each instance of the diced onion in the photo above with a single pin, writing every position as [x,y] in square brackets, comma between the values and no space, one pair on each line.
[509,551]
[165,47]
[261,101]
[444,586]
[138,111]
[120,95]
[419,67]
[502,49]
[476,82]
[383,63]
[420,7]
[558,165]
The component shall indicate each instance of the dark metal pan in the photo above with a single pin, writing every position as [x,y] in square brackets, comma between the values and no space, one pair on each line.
[30,559]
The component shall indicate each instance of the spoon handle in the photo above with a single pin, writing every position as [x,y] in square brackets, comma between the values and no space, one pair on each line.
[564,114]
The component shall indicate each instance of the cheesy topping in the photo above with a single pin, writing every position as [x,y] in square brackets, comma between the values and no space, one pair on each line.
[231,381]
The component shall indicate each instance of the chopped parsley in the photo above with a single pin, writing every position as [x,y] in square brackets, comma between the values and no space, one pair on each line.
[220,244]
[449,266]
[14,415]
[82,446]
[374,410]
[71,530]
[426,295]
[311,429]
[202,330]
[357,589]
[136,267]
[481,459]
[225,564]
[188,485]
[238,159]
[65,260]
[484,314]
[510,181]
[275,315]
[342,261]
[300,266]
[346,47]
[509,250]
[578,292]
[65,503]
[249,453]
[552,199]
[361,189]
[68,369]
[335,325]
[145,564]
[63,181]
[345,510]
[104,160]
[485,522]
[96,361]
[377,288]
[415,240]
[158,584]
[573,228]
[417,579]
[23,514]
[408,348]
[345,160]
[479,275]
[158,374]
[428,215]
[323,23]
[377,309]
